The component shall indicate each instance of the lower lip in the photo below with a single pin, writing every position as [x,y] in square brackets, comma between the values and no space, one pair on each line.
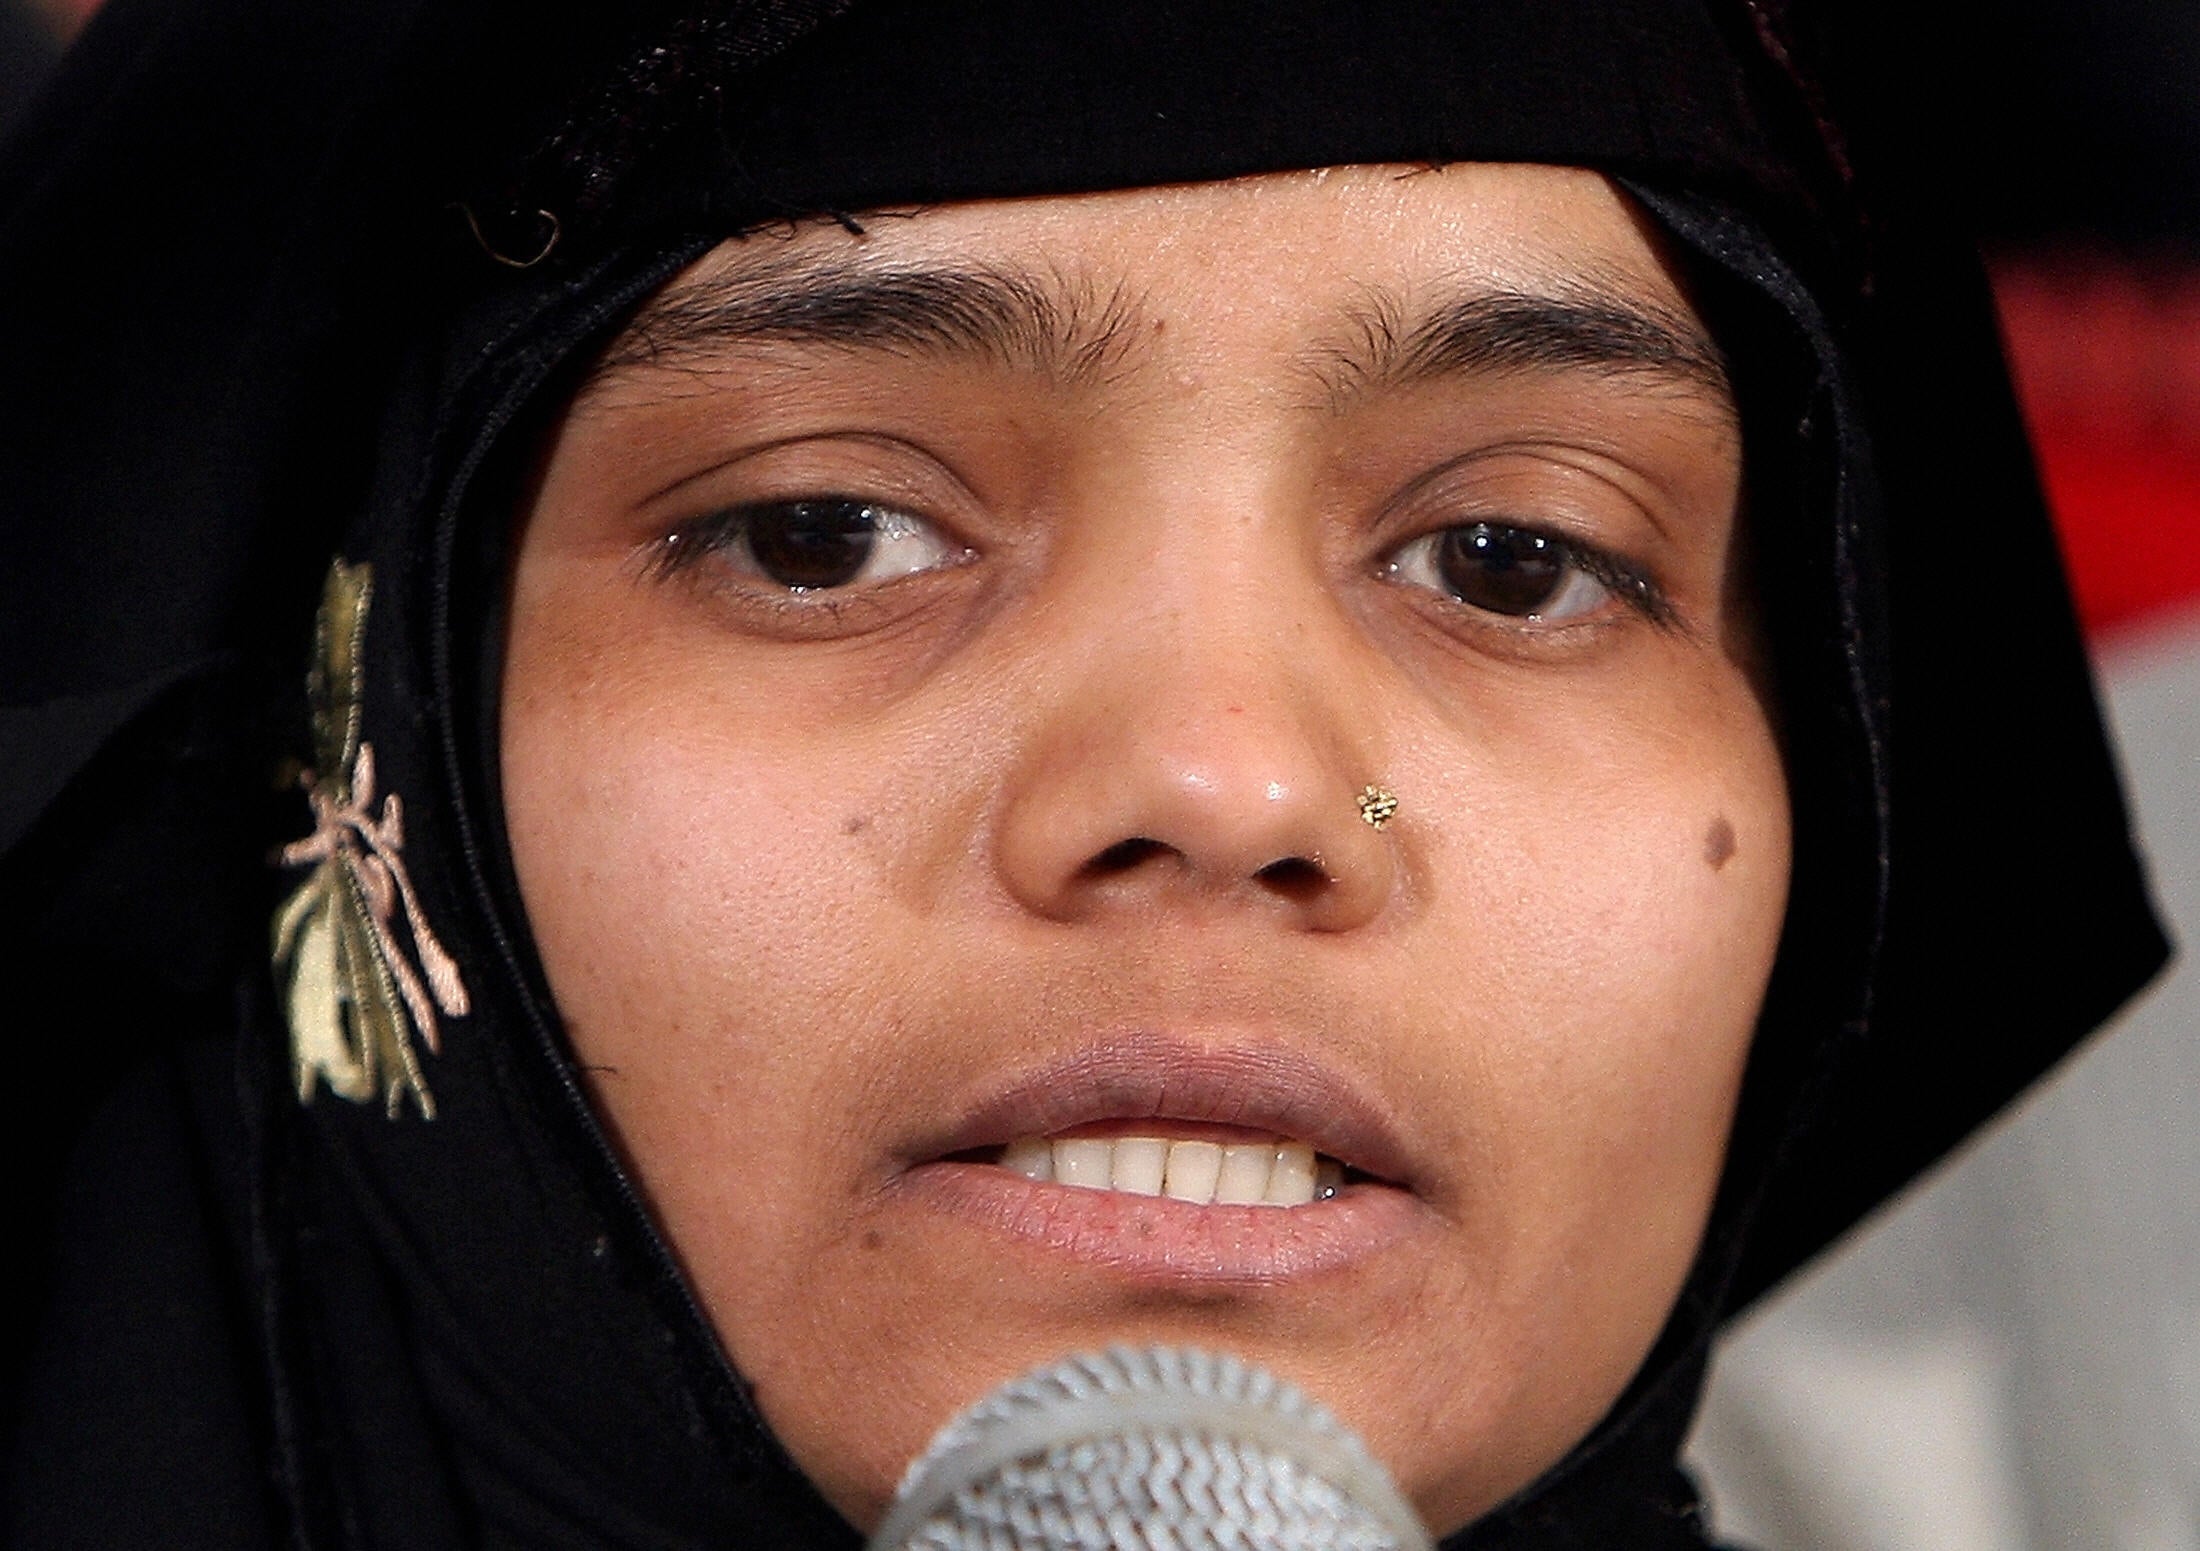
[1160,1239]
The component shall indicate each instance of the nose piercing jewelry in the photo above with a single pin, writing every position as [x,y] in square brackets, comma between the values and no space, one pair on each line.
[1377,807]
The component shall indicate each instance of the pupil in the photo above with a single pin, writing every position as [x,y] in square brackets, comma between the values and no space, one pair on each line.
[813,543]
[1503,570]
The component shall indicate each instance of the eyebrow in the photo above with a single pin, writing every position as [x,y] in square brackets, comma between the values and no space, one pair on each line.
[1071,331]
[1060,327]
[1577,327]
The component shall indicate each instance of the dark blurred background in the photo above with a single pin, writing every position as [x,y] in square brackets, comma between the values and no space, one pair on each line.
[32,35]
[2074,121]
[2066,135]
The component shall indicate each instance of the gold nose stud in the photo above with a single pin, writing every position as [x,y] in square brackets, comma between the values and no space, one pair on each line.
[1377,807]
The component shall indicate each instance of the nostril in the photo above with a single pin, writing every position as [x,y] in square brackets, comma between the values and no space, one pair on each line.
[1294,877]
[1124,856]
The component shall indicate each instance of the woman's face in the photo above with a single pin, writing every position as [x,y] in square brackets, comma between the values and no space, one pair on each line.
[944,664]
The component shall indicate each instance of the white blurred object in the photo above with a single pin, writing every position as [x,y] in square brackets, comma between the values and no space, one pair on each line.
[2009,1359]
[1874,1445]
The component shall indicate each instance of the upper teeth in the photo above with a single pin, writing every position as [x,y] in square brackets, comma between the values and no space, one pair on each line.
[1227,1174]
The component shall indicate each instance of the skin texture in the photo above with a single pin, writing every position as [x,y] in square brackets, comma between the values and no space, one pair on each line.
[816,877]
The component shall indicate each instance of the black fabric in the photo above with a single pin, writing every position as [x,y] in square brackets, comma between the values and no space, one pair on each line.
[279,285]
[889,102]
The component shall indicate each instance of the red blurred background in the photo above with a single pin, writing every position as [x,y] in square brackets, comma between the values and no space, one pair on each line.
[2106,354]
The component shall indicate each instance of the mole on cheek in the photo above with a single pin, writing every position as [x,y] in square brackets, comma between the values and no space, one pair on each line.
[855,824]
[1718,843]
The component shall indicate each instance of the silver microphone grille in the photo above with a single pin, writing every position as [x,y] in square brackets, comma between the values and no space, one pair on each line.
[1159,1449]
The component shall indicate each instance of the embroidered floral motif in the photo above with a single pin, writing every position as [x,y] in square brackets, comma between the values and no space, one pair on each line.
[355,999]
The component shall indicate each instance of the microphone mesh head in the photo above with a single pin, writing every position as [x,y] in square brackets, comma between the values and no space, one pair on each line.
[1159,1449]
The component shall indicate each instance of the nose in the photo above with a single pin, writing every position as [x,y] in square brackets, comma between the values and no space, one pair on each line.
[1199,771]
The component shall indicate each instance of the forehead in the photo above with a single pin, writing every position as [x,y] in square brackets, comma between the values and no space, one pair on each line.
[1355,274]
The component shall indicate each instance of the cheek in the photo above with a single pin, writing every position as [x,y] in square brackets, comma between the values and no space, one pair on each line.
[1615,883]
[696,880]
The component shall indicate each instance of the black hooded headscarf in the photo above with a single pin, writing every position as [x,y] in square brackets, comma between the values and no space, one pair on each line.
[279,285]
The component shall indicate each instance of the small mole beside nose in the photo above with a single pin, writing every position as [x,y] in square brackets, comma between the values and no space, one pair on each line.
[873,1239]
[855,824]
[1719,843]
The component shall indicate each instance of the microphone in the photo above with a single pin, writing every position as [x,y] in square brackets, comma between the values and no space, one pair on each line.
[1147,1449]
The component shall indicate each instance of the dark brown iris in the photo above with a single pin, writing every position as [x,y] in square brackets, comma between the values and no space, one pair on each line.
[808,544]
[1503,570]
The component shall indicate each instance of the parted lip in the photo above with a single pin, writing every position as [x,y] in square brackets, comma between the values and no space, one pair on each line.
[1234,1080]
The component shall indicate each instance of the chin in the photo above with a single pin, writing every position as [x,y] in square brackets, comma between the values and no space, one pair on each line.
[1468,1379]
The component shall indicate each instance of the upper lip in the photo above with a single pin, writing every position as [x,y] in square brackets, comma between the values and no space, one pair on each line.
[1257,1084]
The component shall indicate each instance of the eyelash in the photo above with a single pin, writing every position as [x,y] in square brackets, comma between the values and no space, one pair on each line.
[1629,583]
[731,531]
[813,525]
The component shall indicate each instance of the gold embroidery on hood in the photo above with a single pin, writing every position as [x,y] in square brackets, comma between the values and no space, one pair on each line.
[354,998]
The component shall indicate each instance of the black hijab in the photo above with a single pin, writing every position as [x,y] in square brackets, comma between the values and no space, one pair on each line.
[275,288]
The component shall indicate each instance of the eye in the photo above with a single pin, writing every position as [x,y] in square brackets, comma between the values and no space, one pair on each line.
[1515,572]
[815,544]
